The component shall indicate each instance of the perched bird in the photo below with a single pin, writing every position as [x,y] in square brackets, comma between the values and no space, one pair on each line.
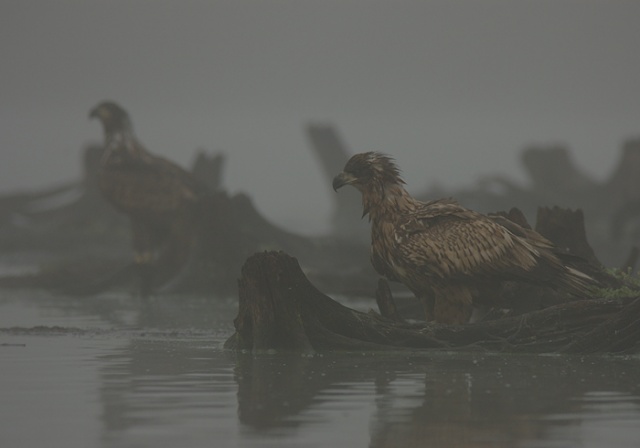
[450,257]
[161,199]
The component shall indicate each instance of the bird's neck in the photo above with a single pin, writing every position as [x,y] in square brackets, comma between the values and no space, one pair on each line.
[121,143]
[385,200]
[120,131]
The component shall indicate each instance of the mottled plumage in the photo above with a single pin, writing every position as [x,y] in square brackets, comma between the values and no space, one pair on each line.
[447,255]
[160,198]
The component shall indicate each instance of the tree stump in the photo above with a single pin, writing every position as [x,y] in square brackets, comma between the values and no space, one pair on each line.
[208,169]
[553,171]
[332,153]
[565,228]
[279,309]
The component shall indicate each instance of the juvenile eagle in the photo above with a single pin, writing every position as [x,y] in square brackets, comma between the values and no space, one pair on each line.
[160,198]
[447,255]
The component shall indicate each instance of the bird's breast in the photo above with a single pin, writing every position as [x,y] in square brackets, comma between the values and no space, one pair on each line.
[385,253]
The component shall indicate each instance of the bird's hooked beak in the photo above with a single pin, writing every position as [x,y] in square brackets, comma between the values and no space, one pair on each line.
[343,179]
[98,112]
[93,113]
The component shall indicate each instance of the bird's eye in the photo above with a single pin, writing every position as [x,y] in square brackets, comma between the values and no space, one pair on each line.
[360,171]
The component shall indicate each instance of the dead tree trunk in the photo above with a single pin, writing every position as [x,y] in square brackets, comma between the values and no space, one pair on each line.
[208,169]
[332,155]
[623,186]
[553,172]
[565,228]
[281,310]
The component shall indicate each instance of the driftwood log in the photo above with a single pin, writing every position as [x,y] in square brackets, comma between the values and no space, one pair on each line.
[279,309]
[74,223]
[329,149]
[94,239]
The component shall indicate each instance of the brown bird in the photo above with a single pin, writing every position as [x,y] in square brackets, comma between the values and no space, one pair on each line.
[447,255]
[161,199]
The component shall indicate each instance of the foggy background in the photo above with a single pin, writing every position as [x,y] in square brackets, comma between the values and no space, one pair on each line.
[452,89]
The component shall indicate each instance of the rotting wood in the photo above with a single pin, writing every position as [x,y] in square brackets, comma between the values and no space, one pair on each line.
[565,228]
[86,231]
[279,309]
[632,260]
[332,154]
[92,235]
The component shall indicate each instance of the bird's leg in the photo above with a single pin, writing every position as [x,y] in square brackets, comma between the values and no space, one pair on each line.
[478,313]
[386,304]
[428,302]
[146,240]
[453,305]
[486,298]
[144,267]
[178,262]
[452,313]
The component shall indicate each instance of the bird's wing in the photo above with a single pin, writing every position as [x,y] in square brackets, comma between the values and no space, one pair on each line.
[187,178]
[445,240]
[150,185]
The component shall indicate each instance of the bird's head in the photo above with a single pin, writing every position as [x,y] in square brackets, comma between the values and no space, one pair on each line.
[113,117]
[369,171]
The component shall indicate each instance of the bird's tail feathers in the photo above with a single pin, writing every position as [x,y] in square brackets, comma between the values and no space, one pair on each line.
[577,282]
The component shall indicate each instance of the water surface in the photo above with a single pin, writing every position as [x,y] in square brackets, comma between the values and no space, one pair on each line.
[114,371]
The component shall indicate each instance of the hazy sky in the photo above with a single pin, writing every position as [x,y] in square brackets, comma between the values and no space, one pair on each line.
[452,89]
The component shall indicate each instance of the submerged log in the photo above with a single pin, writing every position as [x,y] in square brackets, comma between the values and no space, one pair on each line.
[280,309]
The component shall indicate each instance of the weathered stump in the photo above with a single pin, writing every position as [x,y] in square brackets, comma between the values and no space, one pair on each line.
[565,228]
[623,187]
[553,171]
[332,153]
[280,309]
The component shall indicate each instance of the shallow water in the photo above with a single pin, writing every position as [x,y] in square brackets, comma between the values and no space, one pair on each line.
[113,371]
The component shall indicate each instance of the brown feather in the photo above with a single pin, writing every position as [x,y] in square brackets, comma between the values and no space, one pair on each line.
[161,199]
[444,252]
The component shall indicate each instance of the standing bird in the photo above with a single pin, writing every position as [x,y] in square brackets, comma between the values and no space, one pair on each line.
[447,255]
[161,199]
